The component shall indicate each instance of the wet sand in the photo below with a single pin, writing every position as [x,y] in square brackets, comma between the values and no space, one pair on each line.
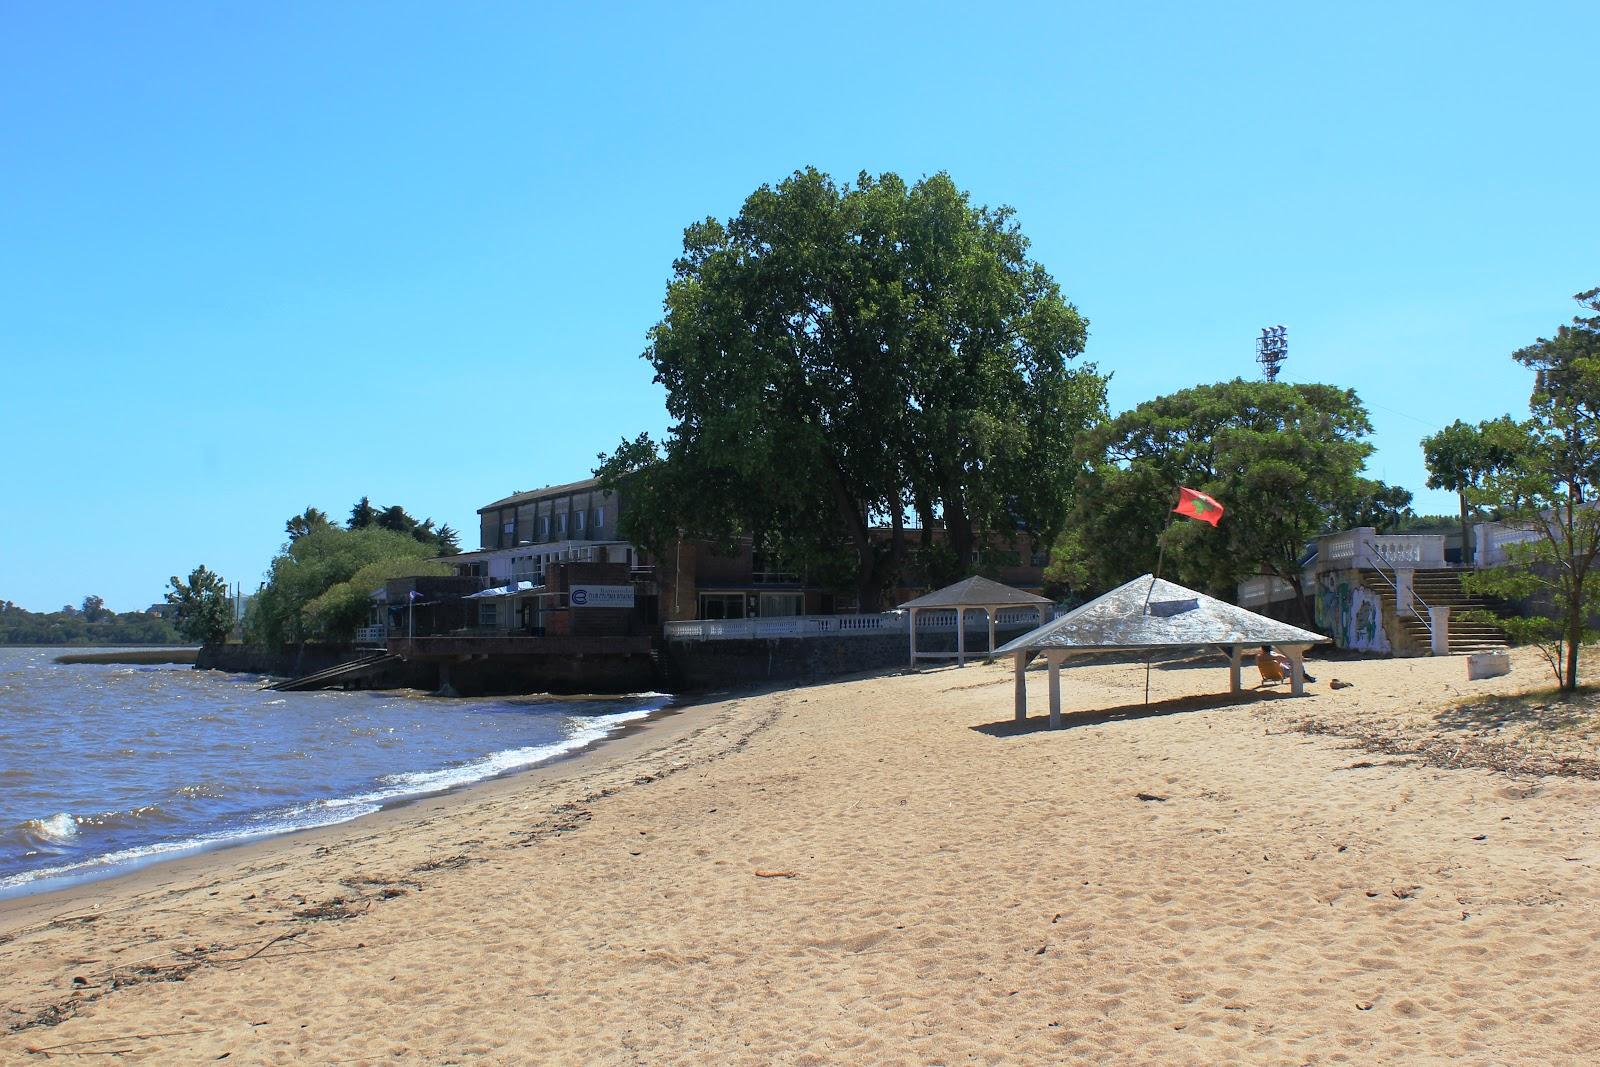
[888,870]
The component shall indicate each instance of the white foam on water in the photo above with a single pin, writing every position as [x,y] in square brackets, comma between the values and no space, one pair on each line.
[59,827]
[332,811]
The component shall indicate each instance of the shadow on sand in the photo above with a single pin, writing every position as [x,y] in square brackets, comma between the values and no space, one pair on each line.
[1071,720]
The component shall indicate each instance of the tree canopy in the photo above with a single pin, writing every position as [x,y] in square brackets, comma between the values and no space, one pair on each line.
[445,539]
[840,356]
[1551,488]
[1284,460]
[204,612]
[1462,457]
[320,585]
[95,624]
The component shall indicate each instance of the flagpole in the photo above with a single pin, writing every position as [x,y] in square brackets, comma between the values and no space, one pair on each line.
[1161,557]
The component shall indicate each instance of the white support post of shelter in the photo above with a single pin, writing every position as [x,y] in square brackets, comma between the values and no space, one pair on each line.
[1054,659]
[1235,658]
[1019,669]
[913,629]
[961,637]
[991,612]
[1297,669]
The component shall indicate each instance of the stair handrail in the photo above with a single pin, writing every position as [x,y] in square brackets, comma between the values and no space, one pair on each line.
[1416,598]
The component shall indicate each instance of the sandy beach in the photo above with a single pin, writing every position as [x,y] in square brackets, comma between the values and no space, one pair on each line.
[887,870]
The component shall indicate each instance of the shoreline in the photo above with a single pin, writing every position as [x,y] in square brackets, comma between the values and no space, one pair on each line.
[888,869]
[626,741]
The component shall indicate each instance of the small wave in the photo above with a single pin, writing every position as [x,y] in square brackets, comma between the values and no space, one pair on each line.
[58,828]
[50,834]
[413,783]
[326,812]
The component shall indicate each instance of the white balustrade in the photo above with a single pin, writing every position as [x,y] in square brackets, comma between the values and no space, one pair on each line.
[841,625]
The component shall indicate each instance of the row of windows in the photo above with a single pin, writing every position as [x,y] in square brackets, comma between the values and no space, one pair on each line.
[559,530]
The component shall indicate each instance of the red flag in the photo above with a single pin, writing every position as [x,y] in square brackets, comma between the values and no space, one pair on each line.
[1198,506]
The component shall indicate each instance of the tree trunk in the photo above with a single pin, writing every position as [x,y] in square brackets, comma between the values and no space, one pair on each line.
[1466,549]
[1574,640]
[855,520]
[958,528]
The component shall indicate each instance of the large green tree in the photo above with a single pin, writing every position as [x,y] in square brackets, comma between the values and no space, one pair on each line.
[837,357]
[1462,457]
[1552,491]
[1285,461]
[204,612]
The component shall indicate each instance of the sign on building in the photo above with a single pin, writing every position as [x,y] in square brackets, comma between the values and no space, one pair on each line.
[600,596]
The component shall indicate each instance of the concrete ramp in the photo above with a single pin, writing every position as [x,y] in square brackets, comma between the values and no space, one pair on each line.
[340,675]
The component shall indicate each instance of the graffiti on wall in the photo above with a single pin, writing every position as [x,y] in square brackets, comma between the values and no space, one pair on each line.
[1351,614]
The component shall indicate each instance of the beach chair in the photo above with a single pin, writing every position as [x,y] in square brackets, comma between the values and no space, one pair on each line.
[1271,670]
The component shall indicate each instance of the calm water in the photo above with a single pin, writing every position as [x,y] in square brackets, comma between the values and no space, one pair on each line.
[103,767]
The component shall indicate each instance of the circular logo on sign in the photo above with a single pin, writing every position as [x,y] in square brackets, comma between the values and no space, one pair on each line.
[580,597]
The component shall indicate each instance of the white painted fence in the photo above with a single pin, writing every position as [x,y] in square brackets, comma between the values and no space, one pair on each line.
[842,625]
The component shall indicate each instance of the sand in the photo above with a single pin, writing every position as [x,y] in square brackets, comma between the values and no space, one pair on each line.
[885,870]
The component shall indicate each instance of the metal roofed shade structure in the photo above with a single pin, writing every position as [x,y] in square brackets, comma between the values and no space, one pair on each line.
[1151,614]
[970,594]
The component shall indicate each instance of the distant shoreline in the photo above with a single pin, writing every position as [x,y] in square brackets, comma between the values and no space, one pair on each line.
[132,655]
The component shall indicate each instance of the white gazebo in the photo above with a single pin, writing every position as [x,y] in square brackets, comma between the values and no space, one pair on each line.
[1150,615]
[970,594]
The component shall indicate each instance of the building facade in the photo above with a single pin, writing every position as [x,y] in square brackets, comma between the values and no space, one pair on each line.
[523,535]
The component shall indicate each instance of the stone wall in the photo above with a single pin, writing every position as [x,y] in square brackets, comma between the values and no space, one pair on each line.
[291,662]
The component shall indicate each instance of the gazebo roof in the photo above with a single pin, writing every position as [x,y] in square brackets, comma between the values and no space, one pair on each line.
[977,592]
[1176,617]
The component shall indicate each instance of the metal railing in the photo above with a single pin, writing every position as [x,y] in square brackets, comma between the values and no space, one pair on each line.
[1389,576]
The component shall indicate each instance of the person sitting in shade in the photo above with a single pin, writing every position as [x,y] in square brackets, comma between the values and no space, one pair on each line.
[1275,666]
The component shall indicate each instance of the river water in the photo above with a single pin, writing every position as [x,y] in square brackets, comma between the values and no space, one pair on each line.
[105,767]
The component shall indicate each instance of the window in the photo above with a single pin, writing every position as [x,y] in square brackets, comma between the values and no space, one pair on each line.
[780,604]
[722,605]
[488,615]
[561,525]
[577,517]
[544,526]
[599,519]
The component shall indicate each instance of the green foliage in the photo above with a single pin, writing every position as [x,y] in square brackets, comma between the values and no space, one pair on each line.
[94,609]
[341,608]
[312,588]
[445,539]
[204,613]
[99,626]
[1550,488]
[1461,457]
[835,356]
[307,521]
[1380,506]
[1418,524]
[1283,459]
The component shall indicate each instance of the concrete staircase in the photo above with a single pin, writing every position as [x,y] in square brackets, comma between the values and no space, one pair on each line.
[1438,588]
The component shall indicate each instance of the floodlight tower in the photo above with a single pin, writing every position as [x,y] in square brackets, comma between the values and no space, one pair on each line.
[1272,348]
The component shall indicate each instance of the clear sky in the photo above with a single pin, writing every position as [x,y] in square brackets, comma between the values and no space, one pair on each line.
[255,257]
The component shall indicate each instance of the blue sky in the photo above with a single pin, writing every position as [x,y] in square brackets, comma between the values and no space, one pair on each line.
[255,257]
